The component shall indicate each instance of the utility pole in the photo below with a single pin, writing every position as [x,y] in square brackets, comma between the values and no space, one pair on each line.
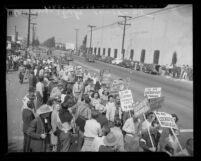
[33,32]
[15,34]
[90,37]
[29,21]
[76,40]
[125,18]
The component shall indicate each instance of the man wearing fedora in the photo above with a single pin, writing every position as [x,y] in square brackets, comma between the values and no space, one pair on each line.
[132,128]
[27,117]
[27,97]
[110,143]
[40,130]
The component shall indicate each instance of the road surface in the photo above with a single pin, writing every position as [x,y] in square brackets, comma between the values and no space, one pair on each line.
[178,94]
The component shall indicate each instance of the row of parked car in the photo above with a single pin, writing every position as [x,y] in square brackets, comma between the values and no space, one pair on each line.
[135,65]
[154,69]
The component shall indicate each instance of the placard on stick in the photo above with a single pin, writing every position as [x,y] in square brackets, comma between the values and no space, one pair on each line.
[166,120]
[142,107]
[126,100]
[152,92]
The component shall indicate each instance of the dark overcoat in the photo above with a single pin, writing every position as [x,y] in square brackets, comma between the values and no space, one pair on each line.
[35,130]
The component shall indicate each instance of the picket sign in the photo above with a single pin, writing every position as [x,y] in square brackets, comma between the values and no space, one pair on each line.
[142,107]
[152,92]
[166,120]
[126,100]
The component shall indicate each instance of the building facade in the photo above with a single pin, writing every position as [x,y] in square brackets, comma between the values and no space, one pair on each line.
[149,39]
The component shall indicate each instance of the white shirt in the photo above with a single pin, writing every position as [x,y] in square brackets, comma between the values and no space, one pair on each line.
[97,142]
[110,111]
[35,72]
[92,128]
[145,125]
[40,88]
[95,102]
[61,73]
[87,89]
[62,97]
[100,91]
[129,126]
[41,72]
[118,133]
[77,88]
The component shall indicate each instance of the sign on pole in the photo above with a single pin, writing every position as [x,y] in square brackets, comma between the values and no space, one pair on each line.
[142,107]
[152,92]
[166,120]
[126,100]
[118,85]
[78,71]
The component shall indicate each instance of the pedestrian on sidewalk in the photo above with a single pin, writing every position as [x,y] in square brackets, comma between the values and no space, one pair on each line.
[27,117]
[132,128]
[110,110]
[40,130]
[39,92]
[92,129]
[65,125]
[110,143]
[98,140]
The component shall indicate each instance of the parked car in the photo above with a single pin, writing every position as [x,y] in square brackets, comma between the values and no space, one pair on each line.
[117,61]
[125,63]
[109,59]
[68,57]
[90,58]
[151,69]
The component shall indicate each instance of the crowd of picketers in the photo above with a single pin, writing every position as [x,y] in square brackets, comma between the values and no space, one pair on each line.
[65,112]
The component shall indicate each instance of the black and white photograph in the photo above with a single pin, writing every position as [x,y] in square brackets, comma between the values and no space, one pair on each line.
[100,80]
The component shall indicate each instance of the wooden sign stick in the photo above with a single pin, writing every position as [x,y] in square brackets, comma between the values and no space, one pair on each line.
[149,133]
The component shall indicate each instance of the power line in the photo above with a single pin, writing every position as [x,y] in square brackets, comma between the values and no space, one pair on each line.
[151,13]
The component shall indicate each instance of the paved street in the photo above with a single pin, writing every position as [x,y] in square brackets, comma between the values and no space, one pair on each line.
[15,93]
[178,95]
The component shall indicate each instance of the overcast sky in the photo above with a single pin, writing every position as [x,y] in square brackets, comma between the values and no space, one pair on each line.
[62,23]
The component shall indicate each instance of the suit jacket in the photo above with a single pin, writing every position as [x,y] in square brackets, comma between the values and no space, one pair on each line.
[27,117]
[35,129]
